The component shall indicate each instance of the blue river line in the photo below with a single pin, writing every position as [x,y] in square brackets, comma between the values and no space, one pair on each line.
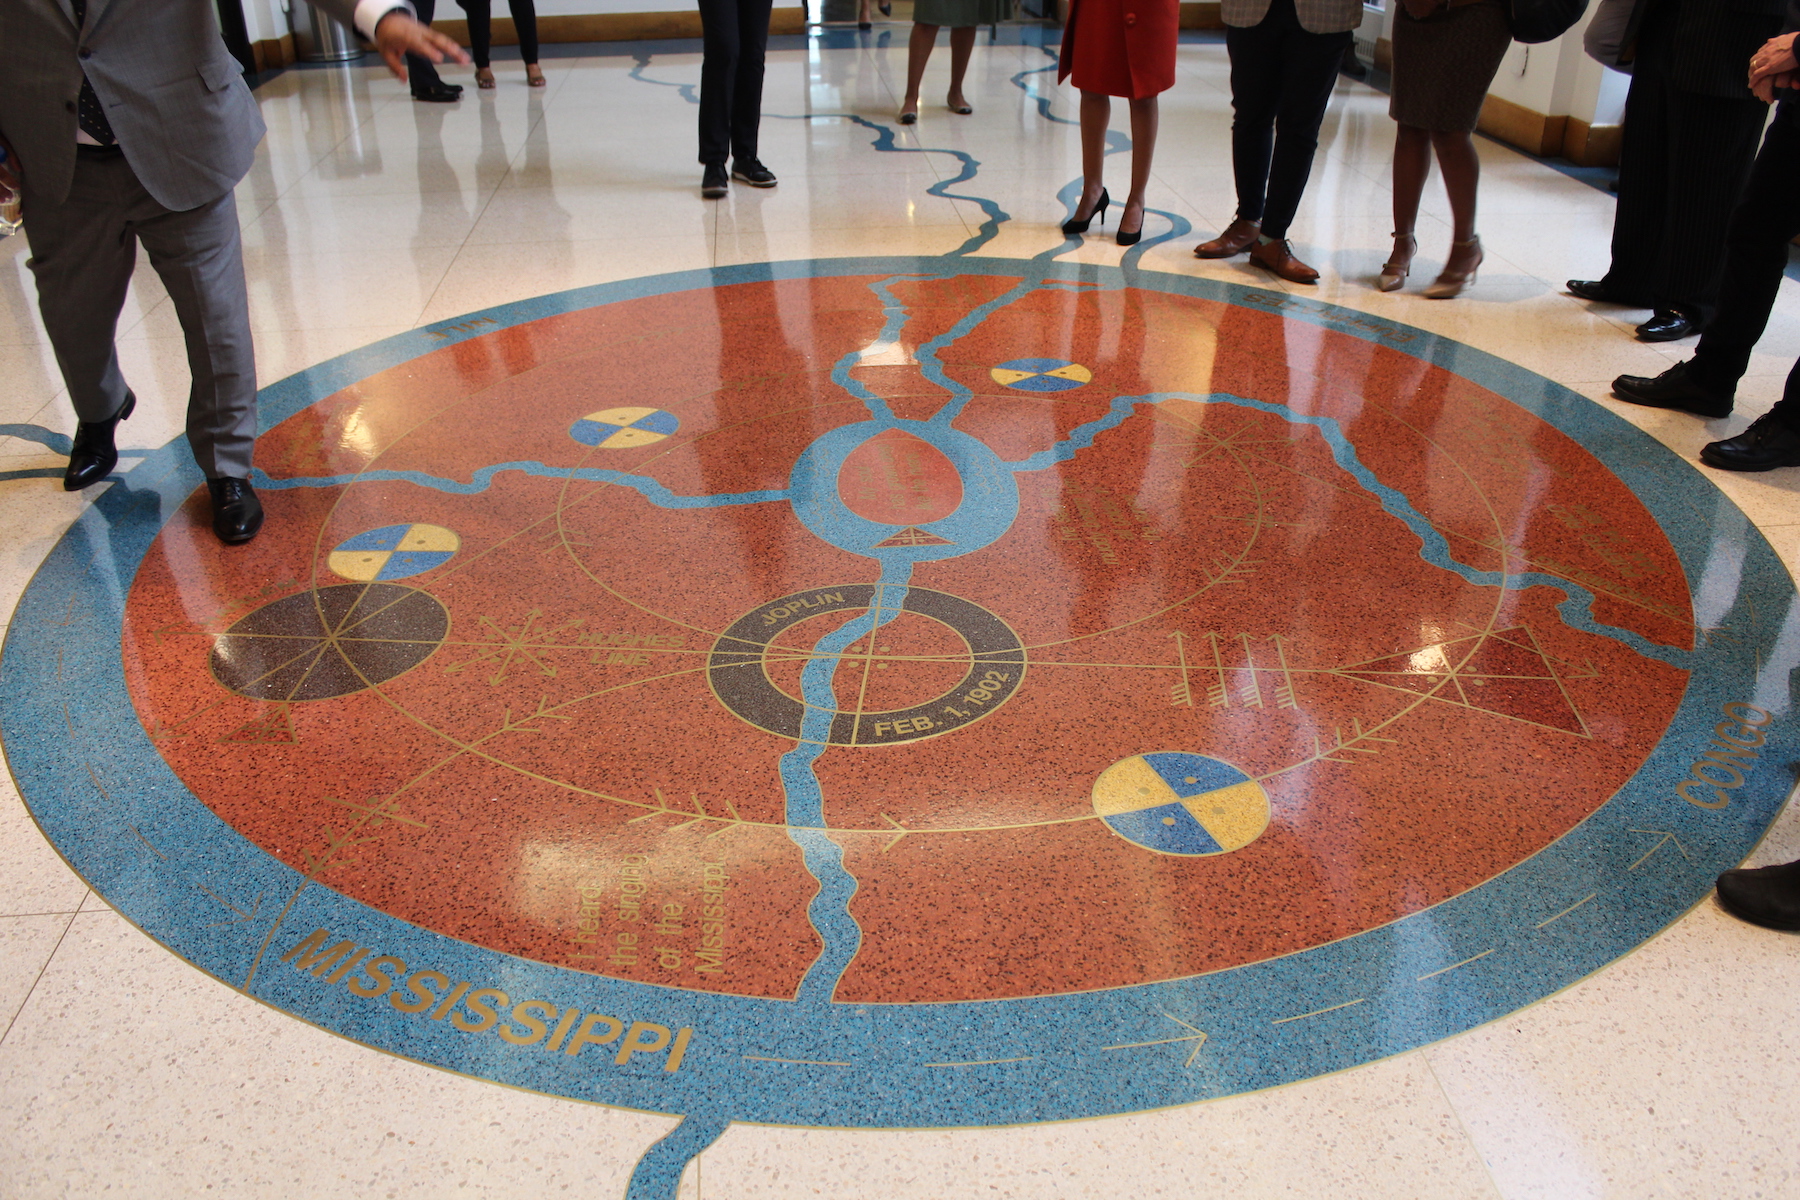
[657,1175]
[483,479]
[1082,436]
[884,143]
[829,911]
[1577,607]
[894,312]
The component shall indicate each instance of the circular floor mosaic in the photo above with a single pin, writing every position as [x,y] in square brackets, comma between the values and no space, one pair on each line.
[891,693]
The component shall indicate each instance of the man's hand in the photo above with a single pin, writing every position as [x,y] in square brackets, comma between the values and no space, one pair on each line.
[1776,57]
[397,35]
[1766,87]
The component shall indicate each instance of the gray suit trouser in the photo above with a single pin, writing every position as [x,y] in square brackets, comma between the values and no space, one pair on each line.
[83,252]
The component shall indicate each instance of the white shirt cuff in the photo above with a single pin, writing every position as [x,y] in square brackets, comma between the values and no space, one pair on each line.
[370,12]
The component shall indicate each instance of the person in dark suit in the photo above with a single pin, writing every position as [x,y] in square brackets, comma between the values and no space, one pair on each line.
[1765,224]
[1691,127]
[1285,56]
[127,121]
[734,43]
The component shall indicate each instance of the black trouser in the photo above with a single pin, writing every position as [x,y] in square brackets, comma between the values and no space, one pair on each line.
[1681,170]
[420,74]
[481,36]
[736,34]
[1281,81]
[1766,221]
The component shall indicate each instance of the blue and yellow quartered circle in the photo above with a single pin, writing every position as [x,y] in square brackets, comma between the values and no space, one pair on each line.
[624,428]
[1041,374]
[1175,803]
[393,552]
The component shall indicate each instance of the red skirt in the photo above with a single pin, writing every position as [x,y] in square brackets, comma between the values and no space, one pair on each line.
[1121,47]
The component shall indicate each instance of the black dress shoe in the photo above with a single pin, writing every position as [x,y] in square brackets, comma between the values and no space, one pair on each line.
[1766,896]
[714,182]
[1667,325]
[237,513]
[1768,443]
[441,93]
[752,172]
[94,455]
[1675,388]
[1597,291]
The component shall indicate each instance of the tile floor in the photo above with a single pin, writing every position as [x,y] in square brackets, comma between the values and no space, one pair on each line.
[123,1071]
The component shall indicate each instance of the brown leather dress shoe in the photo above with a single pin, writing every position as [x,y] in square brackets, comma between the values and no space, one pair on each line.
[1235,240]
[1278,256]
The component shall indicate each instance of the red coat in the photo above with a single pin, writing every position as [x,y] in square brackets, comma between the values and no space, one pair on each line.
[1121,47]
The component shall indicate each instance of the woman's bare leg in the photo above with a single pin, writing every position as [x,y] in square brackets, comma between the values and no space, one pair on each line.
[1096,112]
[1144,116]
[918,53]
[962,45]
[1461,167]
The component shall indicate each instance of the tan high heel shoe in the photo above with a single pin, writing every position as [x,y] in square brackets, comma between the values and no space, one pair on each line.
[1394,270]
[1451,283]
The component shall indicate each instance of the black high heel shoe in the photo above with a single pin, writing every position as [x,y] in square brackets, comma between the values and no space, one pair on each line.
[1136,235]
[1072,226]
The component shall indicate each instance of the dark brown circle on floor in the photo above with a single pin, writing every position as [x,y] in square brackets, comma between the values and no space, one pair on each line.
[329,642]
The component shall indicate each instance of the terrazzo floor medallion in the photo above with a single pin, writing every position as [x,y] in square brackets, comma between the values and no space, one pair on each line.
[909,693]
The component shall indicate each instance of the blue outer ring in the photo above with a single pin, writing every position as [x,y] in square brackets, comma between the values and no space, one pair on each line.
[109,803]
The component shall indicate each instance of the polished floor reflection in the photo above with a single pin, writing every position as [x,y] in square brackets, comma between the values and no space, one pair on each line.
[959,681]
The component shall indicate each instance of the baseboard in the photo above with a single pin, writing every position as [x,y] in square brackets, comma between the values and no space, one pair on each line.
[1592,145]
[1202,15]
[1516,125]
[616,27]
[272,54]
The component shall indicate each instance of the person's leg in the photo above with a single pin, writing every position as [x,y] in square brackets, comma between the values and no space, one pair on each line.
[1309,69]
[962,46]
[82,256]
[1143,151]
[1412,164]
[1712,144]
[1766,221]
[480,14]
[524,15]
[746,100]
[1638,220]
[198,254]
[1096,115]
[421,75]
[918,53]
[1255,54]
[1461,167]
[718,77]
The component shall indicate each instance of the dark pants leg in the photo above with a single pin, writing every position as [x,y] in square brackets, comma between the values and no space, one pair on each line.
[1681,172]
[736,35]
[1281,81]
[1765,223]
[524,15]
[82,253]
[420,74]
[481,29]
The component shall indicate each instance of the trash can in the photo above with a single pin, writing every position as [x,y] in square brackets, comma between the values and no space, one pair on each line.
[321,39]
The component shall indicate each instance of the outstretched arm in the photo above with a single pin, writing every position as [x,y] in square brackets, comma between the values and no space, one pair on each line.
[390,24]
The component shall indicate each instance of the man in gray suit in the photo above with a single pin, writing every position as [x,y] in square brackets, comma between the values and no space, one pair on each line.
[128,121]
[1284,61]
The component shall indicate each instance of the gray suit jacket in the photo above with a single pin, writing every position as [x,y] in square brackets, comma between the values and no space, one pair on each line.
[1316,16]
[175,97]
